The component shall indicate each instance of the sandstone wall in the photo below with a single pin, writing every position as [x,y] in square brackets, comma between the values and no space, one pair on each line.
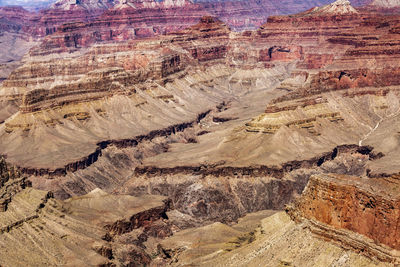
[367,206]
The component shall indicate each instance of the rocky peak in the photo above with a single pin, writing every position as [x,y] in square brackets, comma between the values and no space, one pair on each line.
[151,4]
[339,7]
[124,4]
[85,4]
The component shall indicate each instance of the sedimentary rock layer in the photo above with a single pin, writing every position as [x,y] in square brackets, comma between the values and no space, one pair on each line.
[363,205]
[277,241]
[90,230]
[188,116]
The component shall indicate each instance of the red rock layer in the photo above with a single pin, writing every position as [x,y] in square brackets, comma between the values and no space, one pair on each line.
[48,20]
[14,19]
[370,207]
[122,24]
[114,69]
[45,22]
[241,15]
[348,50]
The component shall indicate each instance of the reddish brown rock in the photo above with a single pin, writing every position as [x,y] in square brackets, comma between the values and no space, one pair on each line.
[280,53]
[368,206]
[125,21]
[14,19]
[317,61]
[241,15]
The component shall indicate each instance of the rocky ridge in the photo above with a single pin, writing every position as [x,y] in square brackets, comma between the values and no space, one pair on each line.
[370,210]
[96,229]
[338,7]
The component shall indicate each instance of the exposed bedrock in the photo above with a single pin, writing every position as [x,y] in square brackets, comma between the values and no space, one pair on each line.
[11,183]
[223,199]
[96,229]
[93,157]
[15,39]
[126,21]
[212,193]
[242,15]
[366,206]
[139,220]
[149,137]
[254,171]
[326,81]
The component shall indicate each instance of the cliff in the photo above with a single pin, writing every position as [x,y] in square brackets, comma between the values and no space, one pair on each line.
[242,15]
[366,206]
[15,38]
[82,27]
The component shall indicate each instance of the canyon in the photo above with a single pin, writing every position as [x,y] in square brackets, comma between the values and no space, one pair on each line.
[20,29]
[192,135]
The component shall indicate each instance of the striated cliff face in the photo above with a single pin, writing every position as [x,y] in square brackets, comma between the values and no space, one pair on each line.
[96,229]
[315,57]
[15,39]
[321,49]
[83,4]
[337,41]
[87,21]
[242,15]
[365,206]
[13,18]
[143,75]
[277,241]
[125,21]
[146,18]
[11,183]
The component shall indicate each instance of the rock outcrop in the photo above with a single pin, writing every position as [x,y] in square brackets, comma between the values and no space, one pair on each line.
[242,15]
[83,4]
[339,7]
[96,229]
[15,38]
[277,241]
[85,23]
[365,206]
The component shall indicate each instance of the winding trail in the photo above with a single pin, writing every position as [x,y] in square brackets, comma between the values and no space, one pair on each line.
[377,126]
[370,132]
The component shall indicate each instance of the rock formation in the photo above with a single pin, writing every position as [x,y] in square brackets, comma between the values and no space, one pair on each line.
[146,118]
[95,229]
[241,15]
[83,4]
[277,241]
[15,39]
[28,5]
[364,206]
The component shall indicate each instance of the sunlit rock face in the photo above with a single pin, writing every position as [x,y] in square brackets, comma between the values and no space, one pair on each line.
[327,199]
[242,15]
